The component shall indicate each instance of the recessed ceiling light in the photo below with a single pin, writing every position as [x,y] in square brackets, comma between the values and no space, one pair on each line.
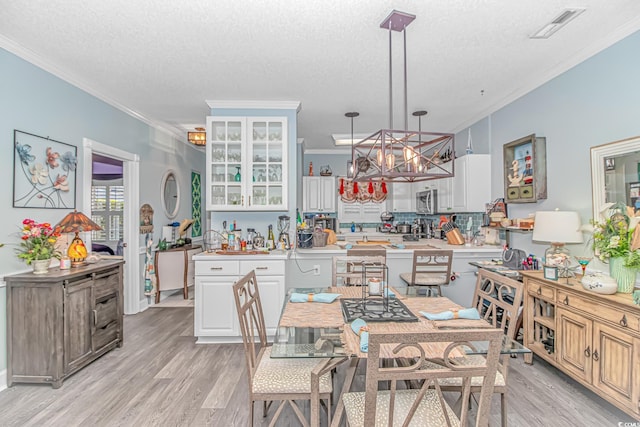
[558,22]
[345,138]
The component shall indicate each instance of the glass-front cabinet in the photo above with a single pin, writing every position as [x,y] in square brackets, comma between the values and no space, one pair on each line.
[246,163]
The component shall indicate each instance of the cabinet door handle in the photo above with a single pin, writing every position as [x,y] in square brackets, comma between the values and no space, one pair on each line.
[215,268]
[596,356]
[565,301]
[242,200]
[249,201]
[539,292]
[262,268]
[587,352]
[623,321]
[95,317]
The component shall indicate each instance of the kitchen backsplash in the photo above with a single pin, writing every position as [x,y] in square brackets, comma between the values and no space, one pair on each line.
[408,217]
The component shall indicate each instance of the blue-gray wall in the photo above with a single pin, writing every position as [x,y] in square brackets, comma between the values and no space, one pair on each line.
[37,102]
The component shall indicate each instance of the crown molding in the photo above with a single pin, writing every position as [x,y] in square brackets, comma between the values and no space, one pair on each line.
[36,60]
[263,105]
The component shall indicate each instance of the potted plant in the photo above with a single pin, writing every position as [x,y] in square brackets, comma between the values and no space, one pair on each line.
[616,240]
[38,244]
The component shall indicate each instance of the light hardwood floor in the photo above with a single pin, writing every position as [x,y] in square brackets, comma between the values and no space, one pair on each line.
[162,378]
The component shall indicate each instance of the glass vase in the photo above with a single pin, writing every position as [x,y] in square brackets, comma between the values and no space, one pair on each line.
[625,276]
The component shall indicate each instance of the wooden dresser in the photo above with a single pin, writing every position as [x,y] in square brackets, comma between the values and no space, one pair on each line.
[593,338]
[59,322]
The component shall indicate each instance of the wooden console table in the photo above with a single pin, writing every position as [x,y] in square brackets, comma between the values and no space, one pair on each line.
[593,338]
[59,322]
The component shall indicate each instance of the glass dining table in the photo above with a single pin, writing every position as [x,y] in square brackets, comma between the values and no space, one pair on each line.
[320,330]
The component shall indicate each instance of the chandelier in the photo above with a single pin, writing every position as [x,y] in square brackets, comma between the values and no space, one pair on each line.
[402,155]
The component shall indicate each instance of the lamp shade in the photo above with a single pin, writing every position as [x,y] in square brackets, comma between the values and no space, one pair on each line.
[557,226]
[77,222]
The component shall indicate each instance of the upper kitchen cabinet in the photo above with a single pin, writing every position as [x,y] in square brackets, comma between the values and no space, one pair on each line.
[471,183]
[247,163]
[319,194]
[403,196]
[525,170]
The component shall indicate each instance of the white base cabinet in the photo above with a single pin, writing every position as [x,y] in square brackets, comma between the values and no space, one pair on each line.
[215,315]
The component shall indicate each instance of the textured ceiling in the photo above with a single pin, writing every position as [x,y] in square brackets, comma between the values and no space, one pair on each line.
[162,59]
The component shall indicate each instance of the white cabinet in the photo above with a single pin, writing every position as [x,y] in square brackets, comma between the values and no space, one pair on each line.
[215,315]
[360,212]
[403,196]
[472,183]
[319,194]
[246,163]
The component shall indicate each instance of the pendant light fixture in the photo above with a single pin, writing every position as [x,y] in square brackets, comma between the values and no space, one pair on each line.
[350,170]
[402,155]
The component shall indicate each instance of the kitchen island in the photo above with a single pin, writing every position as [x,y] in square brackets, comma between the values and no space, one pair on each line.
[300,267]
[215,317]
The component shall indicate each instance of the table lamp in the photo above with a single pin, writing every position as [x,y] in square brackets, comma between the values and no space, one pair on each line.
[558,228]
[77,222]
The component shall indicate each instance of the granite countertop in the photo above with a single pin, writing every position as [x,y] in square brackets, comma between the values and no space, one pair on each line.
[404,247]
[208,256]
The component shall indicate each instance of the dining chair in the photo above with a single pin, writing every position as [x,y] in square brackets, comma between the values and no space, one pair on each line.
[431,270]
[347,270]
[371,250]
[424,406]
[286,380]
[498,300]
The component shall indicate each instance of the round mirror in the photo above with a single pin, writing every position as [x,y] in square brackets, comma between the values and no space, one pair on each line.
[170,194]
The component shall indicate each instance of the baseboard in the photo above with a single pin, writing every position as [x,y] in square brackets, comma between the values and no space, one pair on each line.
[3,379]
[143,305]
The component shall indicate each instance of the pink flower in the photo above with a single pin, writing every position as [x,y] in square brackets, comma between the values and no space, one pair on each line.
[51,158]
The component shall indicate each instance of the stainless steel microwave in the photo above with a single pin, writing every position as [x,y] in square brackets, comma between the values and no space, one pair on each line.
[427,201]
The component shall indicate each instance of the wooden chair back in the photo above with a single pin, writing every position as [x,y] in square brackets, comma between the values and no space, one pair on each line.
[347,270]
[496,295]
[251,319]
[435,263]
[430,374]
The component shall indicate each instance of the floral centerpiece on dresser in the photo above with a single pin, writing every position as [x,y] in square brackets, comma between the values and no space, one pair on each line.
[38,243]
[616,240]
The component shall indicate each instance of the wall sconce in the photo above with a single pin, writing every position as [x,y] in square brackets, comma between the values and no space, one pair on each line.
[199,137]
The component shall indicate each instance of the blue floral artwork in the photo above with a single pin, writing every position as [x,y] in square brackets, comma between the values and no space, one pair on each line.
[44,172]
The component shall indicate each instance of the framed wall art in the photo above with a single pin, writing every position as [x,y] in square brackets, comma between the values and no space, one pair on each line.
[44,172]
[525,170]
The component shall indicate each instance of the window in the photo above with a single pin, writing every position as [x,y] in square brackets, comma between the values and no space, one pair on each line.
[107,207]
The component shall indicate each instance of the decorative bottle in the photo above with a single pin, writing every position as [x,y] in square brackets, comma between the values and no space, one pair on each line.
[270,240]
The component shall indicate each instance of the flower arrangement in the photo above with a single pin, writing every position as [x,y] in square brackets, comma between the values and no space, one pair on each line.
[617,235]
[38,241]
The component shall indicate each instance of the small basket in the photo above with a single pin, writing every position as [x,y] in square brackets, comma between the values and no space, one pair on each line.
[320,239]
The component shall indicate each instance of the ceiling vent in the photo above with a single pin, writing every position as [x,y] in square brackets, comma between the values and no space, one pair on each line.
[558,22]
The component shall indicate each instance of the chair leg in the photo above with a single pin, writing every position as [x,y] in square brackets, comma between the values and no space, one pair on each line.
[251,404]
[265,408]
[503,409]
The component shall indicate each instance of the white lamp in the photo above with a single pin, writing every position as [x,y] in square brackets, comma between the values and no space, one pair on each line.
[558,228]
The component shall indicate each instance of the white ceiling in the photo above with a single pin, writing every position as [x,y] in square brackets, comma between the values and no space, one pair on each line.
[161,59]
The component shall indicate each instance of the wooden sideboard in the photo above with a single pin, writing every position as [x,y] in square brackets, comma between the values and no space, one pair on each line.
[57,323]
[593,338]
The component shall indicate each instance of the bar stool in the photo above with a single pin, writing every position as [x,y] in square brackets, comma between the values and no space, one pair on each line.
[431,270]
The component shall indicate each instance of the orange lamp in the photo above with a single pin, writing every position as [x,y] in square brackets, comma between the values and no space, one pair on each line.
[77,222]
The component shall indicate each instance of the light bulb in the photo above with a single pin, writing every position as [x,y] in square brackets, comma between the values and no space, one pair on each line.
[391,161]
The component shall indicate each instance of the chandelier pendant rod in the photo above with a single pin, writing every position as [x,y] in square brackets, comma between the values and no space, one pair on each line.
[406,112]
[390,80]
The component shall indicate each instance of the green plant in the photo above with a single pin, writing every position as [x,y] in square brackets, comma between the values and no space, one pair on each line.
[38,241]
[617,235]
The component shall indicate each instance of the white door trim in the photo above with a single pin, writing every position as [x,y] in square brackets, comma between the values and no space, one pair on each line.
[131,168]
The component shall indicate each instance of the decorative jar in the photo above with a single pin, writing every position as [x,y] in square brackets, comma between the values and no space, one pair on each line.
[625,276]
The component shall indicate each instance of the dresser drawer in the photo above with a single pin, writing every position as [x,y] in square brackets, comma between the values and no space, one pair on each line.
[217,268]
[600,311]
[106,283]
[106,311]
[539,290]
[263,267]
[105,336]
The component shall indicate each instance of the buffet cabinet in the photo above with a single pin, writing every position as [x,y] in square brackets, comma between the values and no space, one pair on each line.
[593,338]
[58,323]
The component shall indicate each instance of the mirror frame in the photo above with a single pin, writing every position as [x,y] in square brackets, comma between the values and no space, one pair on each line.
[598,154]
[163,185]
